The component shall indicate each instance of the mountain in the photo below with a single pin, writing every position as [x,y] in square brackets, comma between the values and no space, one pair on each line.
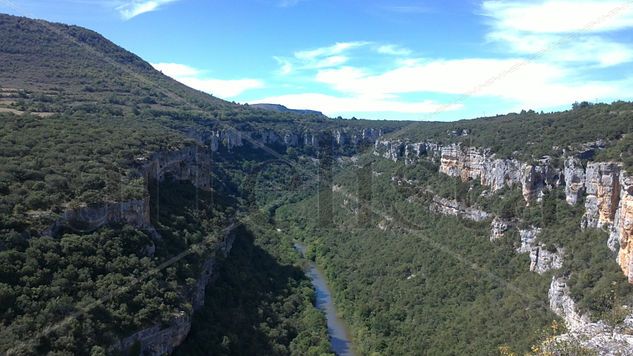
[281,108]
[140,216]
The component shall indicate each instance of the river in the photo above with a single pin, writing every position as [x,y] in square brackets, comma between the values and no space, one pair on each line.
[339,335]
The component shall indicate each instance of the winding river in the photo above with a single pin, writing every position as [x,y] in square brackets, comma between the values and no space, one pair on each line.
[339,335]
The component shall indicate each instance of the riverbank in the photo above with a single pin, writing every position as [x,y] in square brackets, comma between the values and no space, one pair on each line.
[339,334]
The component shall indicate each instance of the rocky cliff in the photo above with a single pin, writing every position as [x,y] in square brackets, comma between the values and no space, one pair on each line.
[541,259]
[163,340]
[581,331]
[190,163]
[344,137]
[470,163]
[605,187]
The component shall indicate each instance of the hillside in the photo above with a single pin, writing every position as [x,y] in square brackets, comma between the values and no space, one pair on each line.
[281,108]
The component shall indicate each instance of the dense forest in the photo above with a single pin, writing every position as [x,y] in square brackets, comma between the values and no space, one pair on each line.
[408,280]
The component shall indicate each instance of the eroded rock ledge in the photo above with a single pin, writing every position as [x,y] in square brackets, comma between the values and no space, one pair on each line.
[596,336]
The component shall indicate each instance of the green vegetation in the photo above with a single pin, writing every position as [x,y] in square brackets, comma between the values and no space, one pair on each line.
[261,303]
[426,284]
[530,135]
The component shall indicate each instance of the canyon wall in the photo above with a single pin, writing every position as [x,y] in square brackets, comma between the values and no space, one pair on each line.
[162,340]
[470,163]
[607,189]
[597,336]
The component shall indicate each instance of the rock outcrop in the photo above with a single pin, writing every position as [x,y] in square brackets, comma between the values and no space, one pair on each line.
[603,192]
[622,231]
[541,259]
[581,331]
[574,174]
[470,163]
[498,228]
[163,340]
[445,206]
[608,190]
[191,163]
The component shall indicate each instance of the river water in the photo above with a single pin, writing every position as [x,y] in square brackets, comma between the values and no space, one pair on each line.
[339,335]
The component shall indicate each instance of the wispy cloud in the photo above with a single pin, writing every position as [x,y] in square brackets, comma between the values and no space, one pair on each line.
[195,78]
[317,58]
[562,31]
[393,50]
[534,85]
[559,16]
[132,8]
[334,105]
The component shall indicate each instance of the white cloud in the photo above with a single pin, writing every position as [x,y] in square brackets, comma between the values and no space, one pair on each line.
[323,57]
[334,105]
[536,85]
[559,48]
[177,70]
[561,16]
[194,78]
[393,50]
[335,49]
[131,8]
[562,31]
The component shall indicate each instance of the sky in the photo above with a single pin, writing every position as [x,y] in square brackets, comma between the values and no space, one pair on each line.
[374,59]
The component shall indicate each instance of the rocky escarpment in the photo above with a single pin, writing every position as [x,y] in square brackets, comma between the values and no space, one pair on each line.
[162,340]
[344,138]
[190,163]
[470,163]
[609,205]
[607,190]
[581,331]
[454,208]
[499,227]
[541,259]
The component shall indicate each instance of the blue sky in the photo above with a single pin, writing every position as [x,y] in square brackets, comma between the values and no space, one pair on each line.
[378,59]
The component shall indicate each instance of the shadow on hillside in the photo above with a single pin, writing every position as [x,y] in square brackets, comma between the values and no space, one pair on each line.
[249,296]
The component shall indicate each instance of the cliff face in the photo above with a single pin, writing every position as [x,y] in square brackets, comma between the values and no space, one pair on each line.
[191,163]
[470,163]
[603,192]
[574,174]
[342,137]
[608,191]
[163,340]
[596,336]
[541,259]
[622,230]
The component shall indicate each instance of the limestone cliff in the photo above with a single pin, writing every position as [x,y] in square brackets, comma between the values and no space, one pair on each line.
[603,192]
[541,259]
[191,163]
[622,230]
[595,336]
[162,340]
[344,137]
[606,188]
[574,174]
[470,163]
